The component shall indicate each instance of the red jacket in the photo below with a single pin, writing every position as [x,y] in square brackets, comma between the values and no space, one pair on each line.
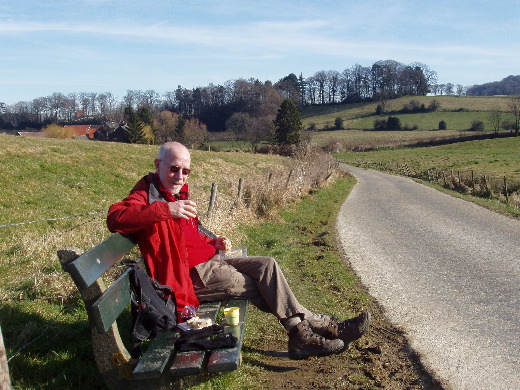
[169,246]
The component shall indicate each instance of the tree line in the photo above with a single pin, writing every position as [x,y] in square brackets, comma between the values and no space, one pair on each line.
[214,105]
[509,85]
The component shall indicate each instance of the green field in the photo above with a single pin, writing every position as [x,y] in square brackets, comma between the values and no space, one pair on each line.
[494,163]
[488,168]
[458,112]
[494,157]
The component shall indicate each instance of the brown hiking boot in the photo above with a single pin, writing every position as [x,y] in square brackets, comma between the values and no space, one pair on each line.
[348,330]
[303,343]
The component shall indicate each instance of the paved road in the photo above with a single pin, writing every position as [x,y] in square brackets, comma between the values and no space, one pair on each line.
[447,271]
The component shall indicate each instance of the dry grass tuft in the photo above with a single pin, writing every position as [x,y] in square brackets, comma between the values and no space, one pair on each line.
[262,195]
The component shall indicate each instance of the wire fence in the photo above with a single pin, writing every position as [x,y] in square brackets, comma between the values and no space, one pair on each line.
[470,182]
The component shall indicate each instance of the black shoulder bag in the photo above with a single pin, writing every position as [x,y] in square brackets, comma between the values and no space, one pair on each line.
[154,307]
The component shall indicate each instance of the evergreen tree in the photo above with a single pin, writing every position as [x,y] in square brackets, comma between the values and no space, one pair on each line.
[288,124]
[145,115]
[135,132]
[180,129]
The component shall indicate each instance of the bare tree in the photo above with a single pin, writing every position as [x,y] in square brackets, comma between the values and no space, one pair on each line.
[333,78]
[150,99]
[39,106]
[321,82]
[164,125]
[495,117]
[514,107]
[311,90]
[239,124]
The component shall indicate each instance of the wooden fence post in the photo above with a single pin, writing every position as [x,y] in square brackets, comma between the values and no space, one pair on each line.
[240,189]
[505,190]
[288,178]
[212,198]
[5,382]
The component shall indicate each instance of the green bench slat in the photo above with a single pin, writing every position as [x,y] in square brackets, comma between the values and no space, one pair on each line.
[229,359]
[157,356]
[111,303]
[191,363]
[87,268]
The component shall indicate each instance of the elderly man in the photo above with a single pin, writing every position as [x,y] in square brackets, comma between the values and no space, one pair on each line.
[161,218]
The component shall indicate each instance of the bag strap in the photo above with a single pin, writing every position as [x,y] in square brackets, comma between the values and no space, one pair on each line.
[136,296]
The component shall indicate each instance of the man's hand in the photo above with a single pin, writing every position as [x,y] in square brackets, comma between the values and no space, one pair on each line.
[183,209]
[222,244]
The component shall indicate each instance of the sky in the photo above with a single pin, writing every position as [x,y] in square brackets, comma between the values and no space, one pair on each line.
[118,45]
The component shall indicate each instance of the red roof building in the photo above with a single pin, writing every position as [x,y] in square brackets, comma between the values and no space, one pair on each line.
[87,130]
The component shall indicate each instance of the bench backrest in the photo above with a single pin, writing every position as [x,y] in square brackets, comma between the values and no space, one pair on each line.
[87,268]
[111,303]
[90,266]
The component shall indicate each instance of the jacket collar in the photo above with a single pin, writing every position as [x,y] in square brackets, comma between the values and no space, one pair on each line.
[157,193]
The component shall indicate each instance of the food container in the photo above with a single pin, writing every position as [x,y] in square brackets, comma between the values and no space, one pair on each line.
[236,251]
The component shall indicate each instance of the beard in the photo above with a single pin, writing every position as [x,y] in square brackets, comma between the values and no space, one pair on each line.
[176,189]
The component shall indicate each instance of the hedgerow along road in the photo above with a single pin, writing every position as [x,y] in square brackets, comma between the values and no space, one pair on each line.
[447,272]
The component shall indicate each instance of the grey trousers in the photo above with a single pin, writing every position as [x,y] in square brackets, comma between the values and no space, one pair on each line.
[257,279]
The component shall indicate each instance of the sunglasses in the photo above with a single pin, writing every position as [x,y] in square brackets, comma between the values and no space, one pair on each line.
[176,168]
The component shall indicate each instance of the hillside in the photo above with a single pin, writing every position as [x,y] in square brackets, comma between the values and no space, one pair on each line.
[457,111]
[509,85]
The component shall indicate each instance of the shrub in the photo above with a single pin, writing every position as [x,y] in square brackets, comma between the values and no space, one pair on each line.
[443,125]
[508,125]
[334,146]
[338,123]
[434,105]
[380,124]
[407,126]
[393,123]
[56,131]
[477,126]
[413,106]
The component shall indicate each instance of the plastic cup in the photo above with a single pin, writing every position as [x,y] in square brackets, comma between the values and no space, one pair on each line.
[232,315]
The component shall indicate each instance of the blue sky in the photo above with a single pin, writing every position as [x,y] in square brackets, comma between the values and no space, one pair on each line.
[116,45]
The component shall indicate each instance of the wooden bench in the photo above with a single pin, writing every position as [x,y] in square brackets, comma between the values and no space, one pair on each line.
[160,365]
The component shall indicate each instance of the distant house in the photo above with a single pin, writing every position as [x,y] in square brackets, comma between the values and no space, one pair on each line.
[83,130]
[107,133]
[30,133]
